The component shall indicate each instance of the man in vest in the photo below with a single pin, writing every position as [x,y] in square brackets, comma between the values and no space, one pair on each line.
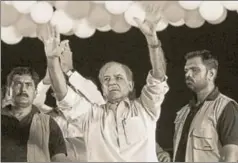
[28,135]
[206,129]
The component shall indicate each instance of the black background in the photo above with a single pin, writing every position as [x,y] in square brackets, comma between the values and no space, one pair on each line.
[131,49]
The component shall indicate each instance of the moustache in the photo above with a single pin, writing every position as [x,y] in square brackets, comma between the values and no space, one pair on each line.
[188,79]
[22,94]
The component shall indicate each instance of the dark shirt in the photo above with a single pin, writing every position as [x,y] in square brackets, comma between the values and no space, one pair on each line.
[15,135]
[227,125]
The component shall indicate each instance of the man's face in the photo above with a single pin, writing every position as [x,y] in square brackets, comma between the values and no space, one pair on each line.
[115,85]
[196,74]
[23,90]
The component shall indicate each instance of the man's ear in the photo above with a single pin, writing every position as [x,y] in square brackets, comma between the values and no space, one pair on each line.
[131,85]
[212,73]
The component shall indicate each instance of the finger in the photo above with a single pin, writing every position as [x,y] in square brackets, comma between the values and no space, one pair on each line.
[49,31]
[158,20]
[56,34]
[166,159]
[138,22]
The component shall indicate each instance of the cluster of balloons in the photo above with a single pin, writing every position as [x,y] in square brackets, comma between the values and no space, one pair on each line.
[82,18]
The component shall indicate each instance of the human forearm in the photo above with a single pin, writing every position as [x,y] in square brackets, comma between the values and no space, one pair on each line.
[229,153]
[156,57]
[58,81]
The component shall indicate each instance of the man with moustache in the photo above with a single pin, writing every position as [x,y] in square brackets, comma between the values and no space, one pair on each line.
[206,129]
[26,134]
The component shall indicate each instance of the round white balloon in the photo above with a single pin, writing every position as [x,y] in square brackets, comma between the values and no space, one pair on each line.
[7,2]
[99,2]
[41,12]
[10,35]
[134,11]
[62,21]
[211,13]
[230,5]
[61,4]
[190,5]
[83,29]
[178,23]
[163,24]
[23,6]
[117,7]
[105,28]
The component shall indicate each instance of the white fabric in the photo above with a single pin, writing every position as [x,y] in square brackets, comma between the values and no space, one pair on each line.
[127,136]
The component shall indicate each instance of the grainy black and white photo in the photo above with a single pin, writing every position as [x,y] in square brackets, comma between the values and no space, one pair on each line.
[119,81]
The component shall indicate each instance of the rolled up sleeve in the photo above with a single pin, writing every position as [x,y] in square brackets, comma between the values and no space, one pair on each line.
[153,94]
[41,94]
[73,105]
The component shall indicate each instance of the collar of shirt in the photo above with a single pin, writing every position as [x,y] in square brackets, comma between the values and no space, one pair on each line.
[211,97]
[126,101]
[26,120]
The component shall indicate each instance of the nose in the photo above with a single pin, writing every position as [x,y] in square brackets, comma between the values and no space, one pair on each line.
[188,74]
[112,81]
[23,88]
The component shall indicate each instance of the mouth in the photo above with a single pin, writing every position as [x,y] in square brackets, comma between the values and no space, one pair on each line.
[113,90]
[23,96]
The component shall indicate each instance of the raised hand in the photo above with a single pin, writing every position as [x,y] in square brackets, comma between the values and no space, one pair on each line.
[153,16]
[49,35]
[66,60]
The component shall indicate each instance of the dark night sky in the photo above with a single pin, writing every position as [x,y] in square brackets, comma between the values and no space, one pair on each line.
[131,49]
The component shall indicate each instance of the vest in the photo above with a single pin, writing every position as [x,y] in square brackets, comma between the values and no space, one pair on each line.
[38,143]
[203,143]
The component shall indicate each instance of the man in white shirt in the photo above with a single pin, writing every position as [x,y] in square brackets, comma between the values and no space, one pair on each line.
[122,129]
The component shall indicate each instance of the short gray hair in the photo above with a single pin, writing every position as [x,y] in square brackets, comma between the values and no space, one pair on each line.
[129,75]
[127,70]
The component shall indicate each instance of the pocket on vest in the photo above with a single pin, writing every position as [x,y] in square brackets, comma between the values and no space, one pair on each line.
[202,140]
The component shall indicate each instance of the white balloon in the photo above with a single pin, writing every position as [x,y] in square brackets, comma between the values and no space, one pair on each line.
[99,2]
[117,7]
[41,12]
[61,4]
[83,29]
[163,24]
[7,2]
[178,23]
[23,6]
[190,5]
[211,10]
[105,28]
[193,19]
[230,5]
[221,19]
[134,11]
[62,21]
[10,35]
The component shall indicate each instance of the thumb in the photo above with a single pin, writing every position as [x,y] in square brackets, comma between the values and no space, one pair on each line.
[138,22]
